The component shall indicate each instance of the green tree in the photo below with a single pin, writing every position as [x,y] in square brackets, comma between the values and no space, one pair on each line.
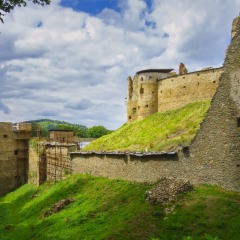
[97,131]
[6,6]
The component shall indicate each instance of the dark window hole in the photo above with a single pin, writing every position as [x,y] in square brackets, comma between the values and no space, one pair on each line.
[238,122]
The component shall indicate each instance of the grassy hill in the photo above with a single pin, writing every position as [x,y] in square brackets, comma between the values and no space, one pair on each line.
[117,209]
[158,132]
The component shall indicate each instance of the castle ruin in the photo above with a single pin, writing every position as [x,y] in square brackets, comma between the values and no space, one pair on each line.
[213,156]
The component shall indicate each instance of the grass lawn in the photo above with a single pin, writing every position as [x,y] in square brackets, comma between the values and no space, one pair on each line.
[117,209]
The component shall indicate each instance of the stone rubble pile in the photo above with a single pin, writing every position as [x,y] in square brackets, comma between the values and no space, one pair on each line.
[167,190]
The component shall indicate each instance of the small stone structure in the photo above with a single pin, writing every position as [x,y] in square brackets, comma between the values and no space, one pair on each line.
[13,155]
[61,136]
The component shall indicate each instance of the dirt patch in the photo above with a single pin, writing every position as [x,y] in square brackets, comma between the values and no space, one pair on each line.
[57,207]
[9,227]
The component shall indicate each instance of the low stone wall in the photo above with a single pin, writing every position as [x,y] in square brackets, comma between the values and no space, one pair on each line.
[152,167]
[133,167]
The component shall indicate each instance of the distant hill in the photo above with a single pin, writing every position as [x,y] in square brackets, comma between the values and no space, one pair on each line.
[79,130]
[158,132]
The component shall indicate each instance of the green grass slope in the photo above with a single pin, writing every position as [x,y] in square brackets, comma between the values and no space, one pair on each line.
[117,209]
[158,132]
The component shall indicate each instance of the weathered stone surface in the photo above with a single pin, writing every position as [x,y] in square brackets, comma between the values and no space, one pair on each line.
[167,190]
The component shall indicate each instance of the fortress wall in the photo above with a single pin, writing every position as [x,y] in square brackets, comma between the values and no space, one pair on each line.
[178,91]
[134,168]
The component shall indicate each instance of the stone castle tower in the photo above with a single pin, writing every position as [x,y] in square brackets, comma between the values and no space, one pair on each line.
[142,97]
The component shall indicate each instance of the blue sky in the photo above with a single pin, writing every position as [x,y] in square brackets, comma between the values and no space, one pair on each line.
[70,60]
[91,6]
[94,7]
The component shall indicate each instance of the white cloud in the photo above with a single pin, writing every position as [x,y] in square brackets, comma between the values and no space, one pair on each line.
[67,65]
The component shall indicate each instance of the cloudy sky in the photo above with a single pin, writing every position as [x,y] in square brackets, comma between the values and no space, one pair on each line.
[70,60]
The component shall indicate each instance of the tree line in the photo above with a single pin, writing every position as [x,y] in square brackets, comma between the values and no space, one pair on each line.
[81,131]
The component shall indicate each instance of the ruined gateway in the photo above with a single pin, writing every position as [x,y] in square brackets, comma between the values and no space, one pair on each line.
[213,156]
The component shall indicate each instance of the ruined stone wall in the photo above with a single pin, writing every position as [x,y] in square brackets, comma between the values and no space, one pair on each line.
[216,149]
[178,91]
[13,157]
[33,166]
[53,162]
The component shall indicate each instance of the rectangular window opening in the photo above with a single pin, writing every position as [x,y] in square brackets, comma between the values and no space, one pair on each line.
[5,136]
